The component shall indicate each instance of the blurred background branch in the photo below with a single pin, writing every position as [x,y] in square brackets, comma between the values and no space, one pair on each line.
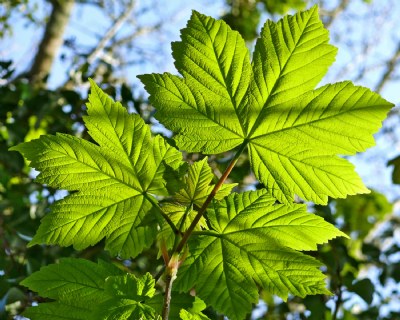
[52,40]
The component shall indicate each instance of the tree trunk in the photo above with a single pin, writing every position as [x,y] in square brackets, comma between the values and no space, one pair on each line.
[51,42]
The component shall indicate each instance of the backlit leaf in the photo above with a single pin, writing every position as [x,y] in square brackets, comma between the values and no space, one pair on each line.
[197,185]
[115,180]
[294,133]
[128,299]
[253,244]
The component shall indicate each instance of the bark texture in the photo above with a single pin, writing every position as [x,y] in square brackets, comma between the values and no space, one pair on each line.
[51,41]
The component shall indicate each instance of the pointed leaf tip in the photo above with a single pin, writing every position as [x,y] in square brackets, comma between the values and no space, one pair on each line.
[227,265]
[114,178]
[295,131]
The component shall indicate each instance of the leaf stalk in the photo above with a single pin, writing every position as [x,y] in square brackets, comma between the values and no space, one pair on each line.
[210,197]
[172,268]
[171,271]
[163,214]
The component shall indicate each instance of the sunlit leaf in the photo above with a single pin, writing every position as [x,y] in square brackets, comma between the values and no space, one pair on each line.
[294,133]
[115,180]
[253,244]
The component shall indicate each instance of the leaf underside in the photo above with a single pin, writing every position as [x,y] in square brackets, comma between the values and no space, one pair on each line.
[253,244]
[294,133]
[115,180]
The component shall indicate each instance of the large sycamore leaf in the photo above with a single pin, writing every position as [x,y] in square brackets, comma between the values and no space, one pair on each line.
[181,217]
[115,180]
[77,285]
[254,244]
[294,133]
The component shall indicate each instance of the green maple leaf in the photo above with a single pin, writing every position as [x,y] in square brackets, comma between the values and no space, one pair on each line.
[196,188]
[293,133]
[77,285]
[182,217]
[115,180]
[128,298]
[253,244]
[197,185]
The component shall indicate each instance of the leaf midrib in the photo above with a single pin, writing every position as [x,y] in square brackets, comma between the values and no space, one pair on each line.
[99,95]
[299,161]
[60,225]
[221,238]
[67,155]
[180,98]
[271,94]
[221,70]
[251,139]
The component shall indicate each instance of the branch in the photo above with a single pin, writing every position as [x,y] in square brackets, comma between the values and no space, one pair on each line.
[339,288]
[75,73]
[111,33]
[210,197]
[331,15]
[390,68]
[337,304]
[138,33]
[52,40]
[172,270]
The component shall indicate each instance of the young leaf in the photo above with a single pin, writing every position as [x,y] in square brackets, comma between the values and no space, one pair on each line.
[197,185]
[253,243]
[77,285]
[196,188]
[182,217]
[128,298]
[294,134]
[194,313]
[115,179]
[131,287]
